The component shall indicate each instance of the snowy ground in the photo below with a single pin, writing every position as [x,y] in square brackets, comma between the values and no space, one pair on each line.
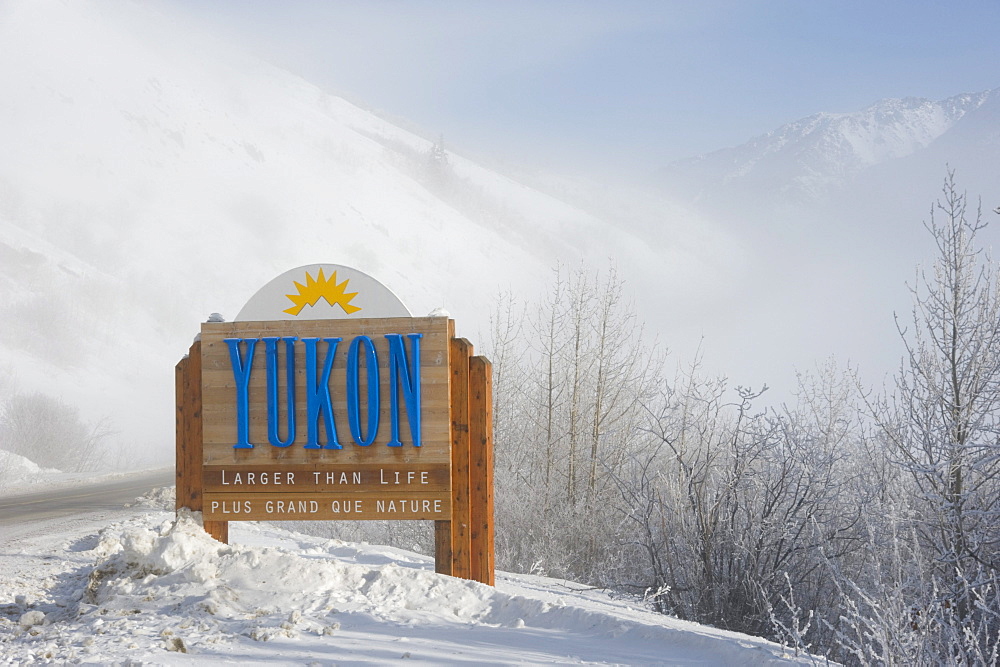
[20,475]
[137,587]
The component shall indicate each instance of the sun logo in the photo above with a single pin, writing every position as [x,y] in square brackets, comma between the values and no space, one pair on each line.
[321,288]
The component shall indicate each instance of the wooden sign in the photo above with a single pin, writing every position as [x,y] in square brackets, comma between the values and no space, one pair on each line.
[326,419]
[339,416]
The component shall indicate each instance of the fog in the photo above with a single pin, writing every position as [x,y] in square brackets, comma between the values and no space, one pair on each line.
[162,161]
[615,95]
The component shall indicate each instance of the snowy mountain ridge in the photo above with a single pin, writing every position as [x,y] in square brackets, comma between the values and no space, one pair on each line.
[887,129]
[808,157]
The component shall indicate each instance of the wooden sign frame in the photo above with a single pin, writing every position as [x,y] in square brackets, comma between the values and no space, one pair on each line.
[461,483]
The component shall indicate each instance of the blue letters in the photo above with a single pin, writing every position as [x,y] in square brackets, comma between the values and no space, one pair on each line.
[271,350]
[404,385]
[410,386]
[241,373]
[353,399]
[318,401]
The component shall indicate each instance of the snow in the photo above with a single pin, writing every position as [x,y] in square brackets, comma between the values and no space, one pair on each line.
[17,471]
[154,589]
[151,175]
[21,475]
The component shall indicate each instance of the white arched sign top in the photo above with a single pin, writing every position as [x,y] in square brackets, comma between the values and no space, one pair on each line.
[322,292]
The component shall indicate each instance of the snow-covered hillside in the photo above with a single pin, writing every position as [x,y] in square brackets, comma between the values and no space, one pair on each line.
[150,176]
[148,590]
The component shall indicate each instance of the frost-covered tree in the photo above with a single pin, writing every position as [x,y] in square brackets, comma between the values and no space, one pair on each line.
[737,508]
[947,416]
[570,385]
[51,433]
[942,426]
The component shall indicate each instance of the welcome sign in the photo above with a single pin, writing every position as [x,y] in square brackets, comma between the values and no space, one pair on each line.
[326,419]
[326,400]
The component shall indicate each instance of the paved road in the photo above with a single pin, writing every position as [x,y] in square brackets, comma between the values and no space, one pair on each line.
[67,501]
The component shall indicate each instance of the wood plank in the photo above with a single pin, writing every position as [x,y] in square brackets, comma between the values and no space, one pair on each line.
[219,388]
[481,470]
[442,547]
[363,479]
[442,529]
[188,452]
[461,351]
[322,507]
[180,433]
[218,529]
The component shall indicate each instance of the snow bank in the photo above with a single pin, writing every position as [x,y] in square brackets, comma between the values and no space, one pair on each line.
[164,592]
[254,588]
[17,471]
[20,475]
[160,498]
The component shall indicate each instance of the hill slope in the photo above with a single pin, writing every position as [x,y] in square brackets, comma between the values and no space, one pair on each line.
[150,176]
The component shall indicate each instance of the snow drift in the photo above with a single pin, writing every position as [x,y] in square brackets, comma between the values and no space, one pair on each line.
[161,591]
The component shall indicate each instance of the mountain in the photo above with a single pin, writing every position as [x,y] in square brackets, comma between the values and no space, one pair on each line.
[151,175]
[828,214]
[810,159]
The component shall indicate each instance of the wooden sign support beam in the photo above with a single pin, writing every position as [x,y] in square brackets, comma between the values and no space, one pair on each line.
[464,546]
[461,515]
[189,440]
[481,469]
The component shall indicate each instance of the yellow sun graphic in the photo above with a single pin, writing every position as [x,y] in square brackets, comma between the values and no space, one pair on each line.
[321,288]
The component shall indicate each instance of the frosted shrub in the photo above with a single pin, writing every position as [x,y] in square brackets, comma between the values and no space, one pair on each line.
[50,432]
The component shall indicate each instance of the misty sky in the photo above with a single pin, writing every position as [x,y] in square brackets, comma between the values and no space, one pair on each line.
[617,85]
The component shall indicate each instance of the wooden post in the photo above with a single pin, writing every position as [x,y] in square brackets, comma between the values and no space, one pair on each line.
[461,521]
[481,469]
[464,546]
[442,529]
[442,547]
[189,440]
[180,432]
[188,490]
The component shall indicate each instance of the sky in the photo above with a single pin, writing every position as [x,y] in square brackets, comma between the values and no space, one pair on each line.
[618,87]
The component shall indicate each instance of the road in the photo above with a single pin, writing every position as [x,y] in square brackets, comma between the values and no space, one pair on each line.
[62,502]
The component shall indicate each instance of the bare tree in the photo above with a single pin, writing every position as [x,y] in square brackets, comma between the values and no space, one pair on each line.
[736,511]
[947,407]
[942,425]
[51,433]
[572,417]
